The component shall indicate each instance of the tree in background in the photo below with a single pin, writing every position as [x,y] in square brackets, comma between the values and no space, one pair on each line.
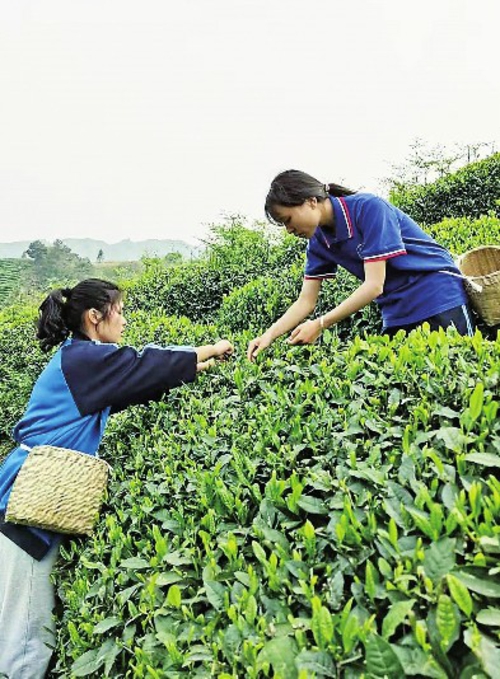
[56,263]
[100,256]
[425,163]
[471,192]
[172,258]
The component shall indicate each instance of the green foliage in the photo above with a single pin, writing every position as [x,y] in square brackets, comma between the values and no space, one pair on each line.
[327,511]
[314,512]
[472,191]
[15,278]
[118,272]
[426,163]
[196,289]
[460,234]
[56,263]
[20,364]
[256,305]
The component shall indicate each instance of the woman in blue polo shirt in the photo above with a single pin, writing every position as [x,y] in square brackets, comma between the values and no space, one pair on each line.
[411,277]
[88,378]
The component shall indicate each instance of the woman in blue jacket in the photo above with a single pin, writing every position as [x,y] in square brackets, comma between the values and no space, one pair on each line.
[87,378]
[412,278]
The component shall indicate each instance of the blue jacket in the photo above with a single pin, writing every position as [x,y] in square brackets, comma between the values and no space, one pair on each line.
[72,399]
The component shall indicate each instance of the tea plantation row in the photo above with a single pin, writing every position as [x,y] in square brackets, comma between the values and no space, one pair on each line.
[330,511]
[14,274]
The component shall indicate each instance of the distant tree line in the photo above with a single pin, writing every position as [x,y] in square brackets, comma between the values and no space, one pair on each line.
[425,163]
[56,263]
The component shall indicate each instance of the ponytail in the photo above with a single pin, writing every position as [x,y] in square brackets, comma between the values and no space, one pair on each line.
[51,326]
[61,312]
[337,190]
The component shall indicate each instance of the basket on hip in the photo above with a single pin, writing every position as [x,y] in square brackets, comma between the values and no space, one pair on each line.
[58,489]
[481,268]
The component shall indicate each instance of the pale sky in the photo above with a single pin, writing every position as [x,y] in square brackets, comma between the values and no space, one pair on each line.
[150,119]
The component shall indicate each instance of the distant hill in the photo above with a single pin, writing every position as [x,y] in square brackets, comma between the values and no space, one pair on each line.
[123,251]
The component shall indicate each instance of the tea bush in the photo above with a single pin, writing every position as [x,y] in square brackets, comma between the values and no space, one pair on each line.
[238,291]
[472,191]
[461,234]
[21,361]
[15,275]
[256,305]
[235,255]
[327,511]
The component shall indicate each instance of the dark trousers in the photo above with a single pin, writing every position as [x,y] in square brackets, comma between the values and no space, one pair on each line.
[459,316]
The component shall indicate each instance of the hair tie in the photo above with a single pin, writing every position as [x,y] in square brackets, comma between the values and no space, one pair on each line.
[66,292]
[327,188]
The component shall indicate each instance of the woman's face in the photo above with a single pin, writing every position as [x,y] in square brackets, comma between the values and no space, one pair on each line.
[111,328]
[300,220]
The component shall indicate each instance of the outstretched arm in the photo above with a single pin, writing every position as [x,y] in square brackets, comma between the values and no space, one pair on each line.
[296,313]
[371,288]
[206,353]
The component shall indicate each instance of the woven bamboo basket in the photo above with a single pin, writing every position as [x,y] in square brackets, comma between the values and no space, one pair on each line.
[58,489]
[481,266]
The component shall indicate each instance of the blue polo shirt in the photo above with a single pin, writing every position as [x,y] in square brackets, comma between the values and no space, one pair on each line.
[421,278]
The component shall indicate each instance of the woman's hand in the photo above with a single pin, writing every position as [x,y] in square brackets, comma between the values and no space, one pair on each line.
[257,345]
[223,348]
[306,333]
[207,354]
[205,365]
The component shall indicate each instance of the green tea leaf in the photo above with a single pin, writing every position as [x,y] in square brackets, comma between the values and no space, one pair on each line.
[489,616]
[485,649]
[174,596]
[489,544]
[322,627]
[135,562]
[447,621]
[439,558]
[125,594]
[484,459]
[397,614]
[460,594]
[452,437]
[215,593]
[167,579]
[350,631]
[87,663]
[176,559]
[316,663]
[112,652]
[280,654]
[381,660]
[312,505]
[482,585]
[259,552]
[105,625]
[476,402]
[416,661]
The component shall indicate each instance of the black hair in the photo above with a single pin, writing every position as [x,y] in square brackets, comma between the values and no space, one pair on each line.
[62,310]
[292,187]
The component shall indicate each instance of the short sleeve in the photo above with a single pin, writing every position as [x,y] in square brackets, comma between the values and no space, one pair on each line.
[105,375]
[380,231]
[318,265]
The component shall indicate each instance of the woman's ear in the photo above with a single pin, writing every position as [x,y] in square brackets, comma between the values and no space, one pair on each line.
[93,316]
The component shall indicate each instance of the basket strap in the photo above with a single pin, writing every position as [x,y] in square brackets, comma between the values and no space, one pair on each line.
[475,286]
[29,449]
